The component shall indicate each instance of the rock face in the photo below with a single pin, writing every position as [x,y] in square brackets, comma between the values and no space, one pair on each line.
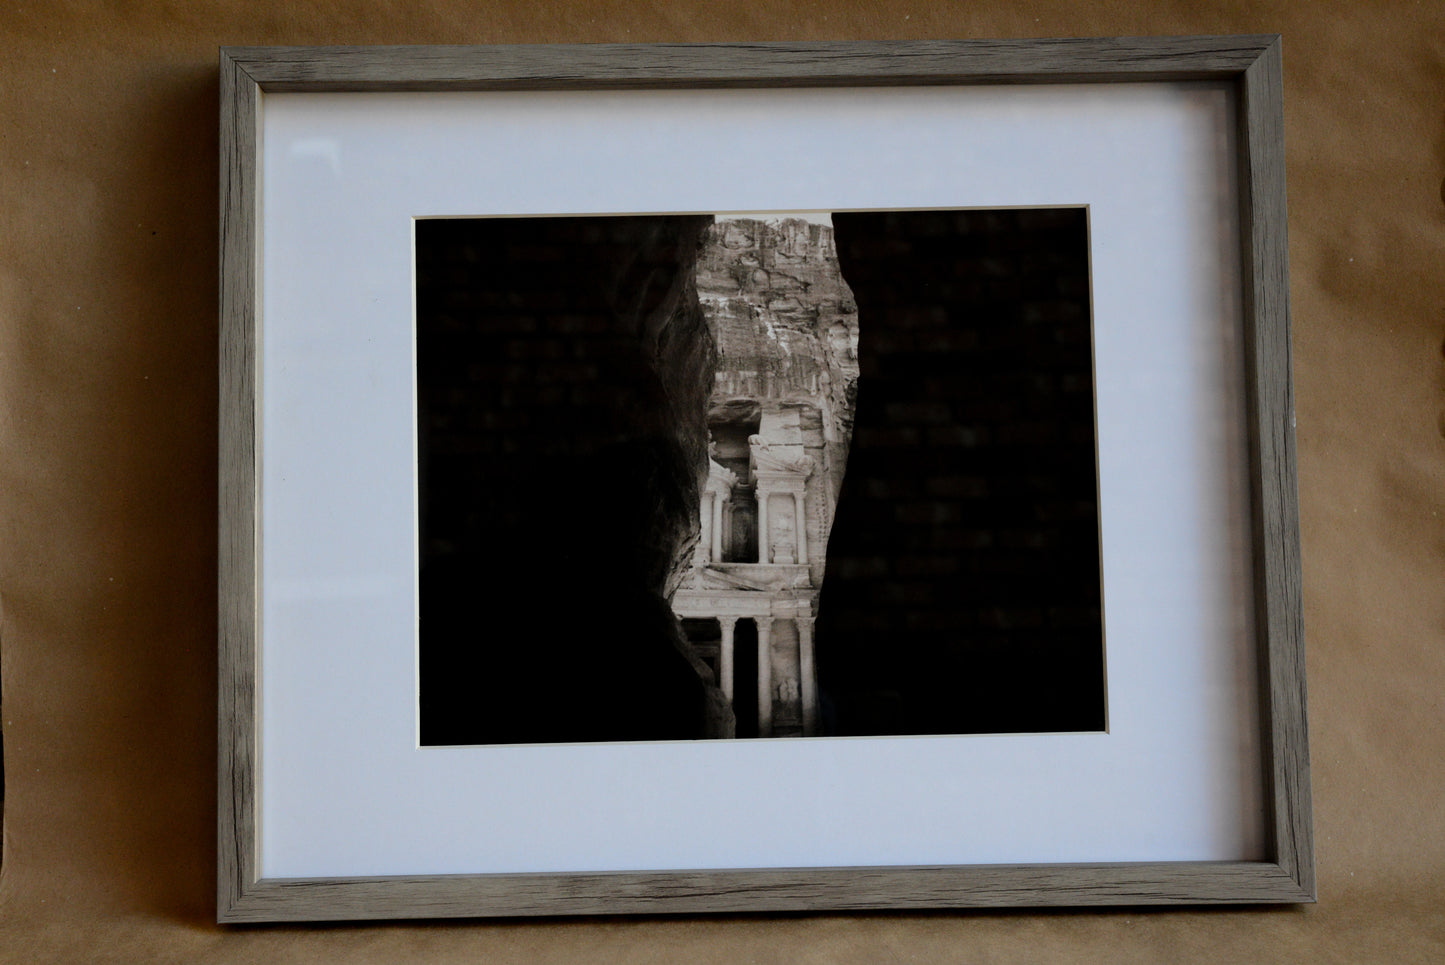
[564,369]
[963,592]
[786,326]
[780,416]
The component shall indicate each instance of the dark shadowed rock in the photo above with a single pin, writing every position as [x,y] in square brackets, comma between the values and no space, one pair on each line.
[962,591]
[563,373]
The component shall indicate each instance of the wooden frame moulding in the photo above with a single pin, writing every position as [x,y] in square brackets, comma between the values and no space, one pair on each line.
[1252,64]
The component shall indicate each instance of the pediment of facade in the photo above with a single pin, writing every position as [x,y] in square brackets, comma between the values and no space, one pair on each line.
[720,479]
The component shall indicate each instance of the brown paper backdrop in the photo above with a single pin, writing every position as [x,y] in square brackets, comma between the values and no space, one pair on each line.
[107,481]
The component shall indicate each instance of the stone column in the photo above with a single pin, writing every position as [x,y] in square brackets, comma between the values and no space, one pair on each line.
[717,527]
[764,551]
[765,676]
[704,512]
[725,656]
[801,526]
[809,682]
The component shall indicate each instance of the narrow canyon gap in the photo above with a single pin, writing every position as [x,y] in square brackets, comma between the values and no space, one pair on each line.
[627,421]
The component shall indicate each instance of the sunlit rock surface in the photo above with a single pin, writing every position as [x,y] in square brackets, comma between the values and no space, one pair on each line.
[780,415]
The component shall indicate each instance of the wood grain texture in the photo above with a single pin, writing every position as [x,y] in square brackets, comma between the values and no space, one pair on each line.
[798,889]
[1251,63]
[238,478]
[746,65]
[1279,585]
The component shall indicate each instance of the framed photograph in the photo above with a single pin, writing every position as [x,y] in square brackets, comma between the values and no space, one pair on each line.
[757,477]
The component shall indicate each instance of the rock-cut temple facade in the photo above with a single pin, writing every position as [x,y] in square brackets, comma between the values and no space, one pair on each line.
[780,420]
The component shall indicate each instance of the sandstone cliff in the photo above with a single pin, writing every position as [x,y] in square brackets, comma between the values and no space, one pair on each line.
[786,326]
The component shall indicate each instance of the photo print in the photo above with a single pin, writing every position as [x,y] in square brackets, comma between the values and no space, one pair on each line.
[779,475]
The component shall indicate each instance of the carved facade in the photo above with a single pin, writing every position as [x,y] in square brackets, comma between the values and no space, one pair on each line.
[780,420]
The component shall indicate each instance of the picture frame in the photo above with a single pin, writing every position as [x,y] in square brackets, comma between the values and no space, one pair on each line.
[1249,66]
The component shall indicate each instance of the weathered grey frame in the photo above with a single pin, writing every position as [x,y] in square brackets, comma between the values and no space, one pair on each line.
[1251,64]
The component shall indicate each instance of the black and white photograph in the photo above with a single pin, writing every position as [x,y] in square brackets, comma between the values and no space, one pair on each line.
[761,475]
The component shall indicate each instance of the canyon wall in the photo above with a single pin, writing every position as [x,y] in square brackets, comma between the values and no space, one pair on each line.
[563,376]
[963,583]
[786,326]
